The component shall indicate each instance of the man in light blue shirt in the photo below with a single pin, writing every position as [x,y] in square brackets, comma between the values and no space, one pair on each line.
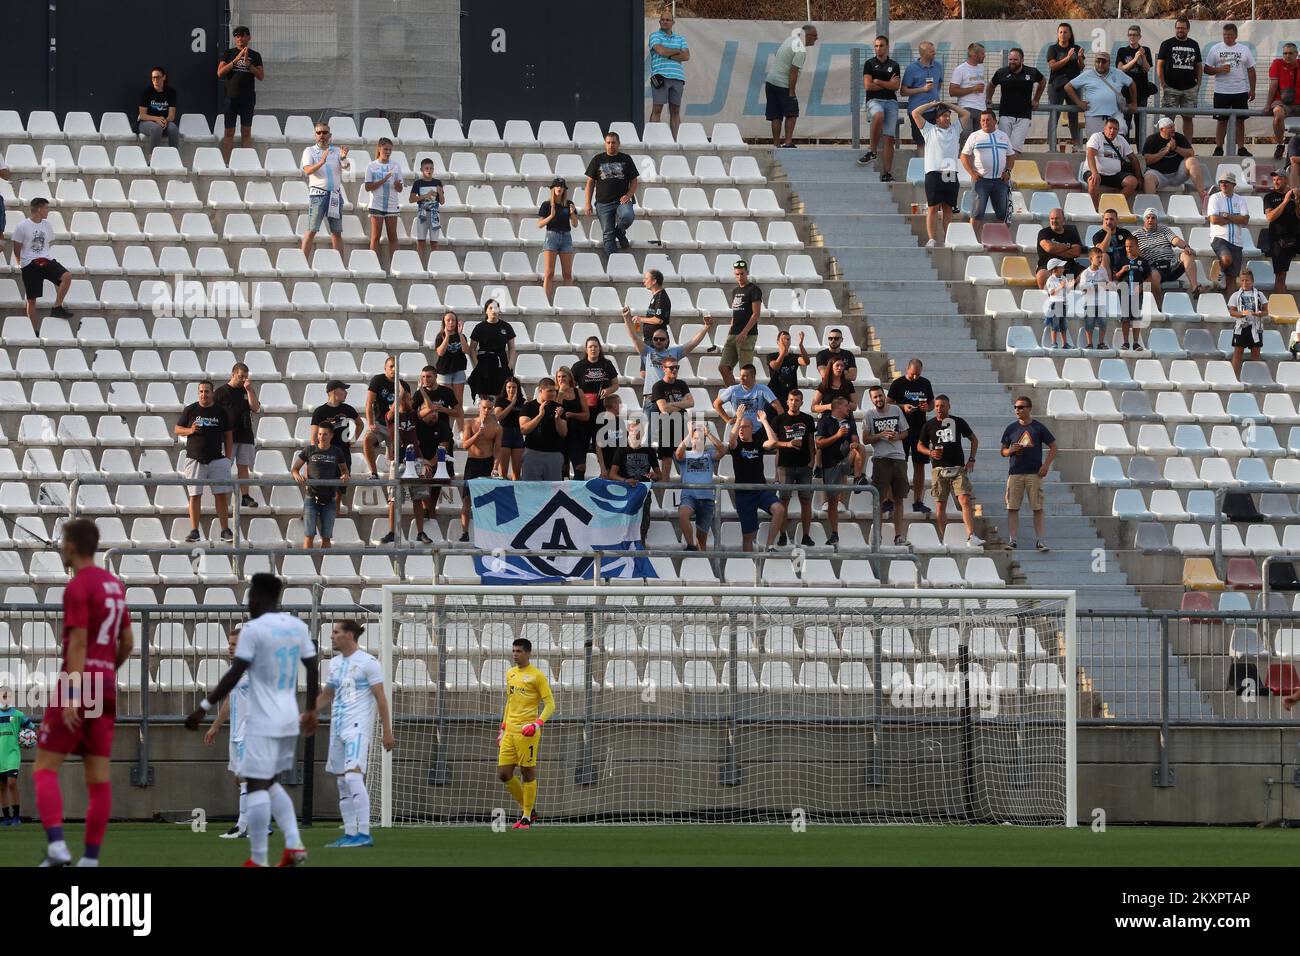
[750,393]
[922,81]
[1102,93]
[668,51]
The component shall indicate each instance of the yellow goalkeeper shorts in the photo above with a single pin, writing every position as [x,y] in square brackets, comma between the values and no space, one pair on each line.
[518,750]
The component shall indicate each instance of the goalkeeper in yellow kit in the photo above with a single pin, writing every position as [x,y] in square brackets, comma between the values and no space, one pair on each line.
[521,730]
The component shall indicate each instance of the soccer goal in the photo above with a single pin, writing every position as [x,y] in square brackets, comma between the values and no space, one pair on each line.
[753,705]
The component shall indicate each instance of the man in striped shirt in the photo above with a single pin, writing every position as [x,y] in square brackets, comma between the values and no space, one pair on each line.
[668,51]
[1228,218]
[1169,257]
[988,158]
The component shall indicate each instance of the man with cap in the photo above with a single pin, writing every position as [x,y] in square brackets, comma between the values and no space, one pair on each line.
[942,142]
[1282,210]
[1168,255]
[746,306]
[1102,93]
[335,416]
[1228,218]
[241,68]
[1170,160]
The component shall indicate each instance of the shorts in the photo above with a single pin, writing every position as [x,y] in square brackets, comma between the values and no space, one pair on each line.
[35,274]
[94,738]
[347,754]
[1112,180]
[236,756]
[701,507]
[780,104]
[1018,485]
[942,487]
[542,465]
[737,352]
[1180,99]
[909,445]
[426,231]
[380,214]
[243,109]
[558,242]
[1291,110]
[1016,128]
[794,475]
[212,470]
[478,468]
[511,437]
[265,758]
[890,110]
[1231,101]
[318,205]
[1176,178]
[1246,339]
[670,93]
[245,453]
[748,505]
[8,775]
[1169,271]
[452,378]
[1093,322]
[318,515]
[518,750]
[1282,256]
[1054,320]
[836,475]
[941,188]
[1223,247]
[889,475]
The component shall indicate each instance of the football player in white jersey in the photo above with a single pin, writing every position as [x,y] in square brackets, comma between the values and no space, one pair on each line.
[235,709]
[271,645]
[354,692]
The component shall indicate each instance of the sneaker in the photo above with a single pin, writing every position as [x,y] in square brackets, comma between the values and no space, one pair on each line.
[1067,345]
[783,540]
[1040,546]
[921,508]
[886,177]
[388,538]
[974,541]
[192,537]
[833,540]
[1243,151]
[900,541]
[88,861]
[929,244]
[296,857]
[1218,151]
[234,833]
[374,476]
[691,547]
[423,538]
[1137,347]
[1012,544]
[464,537]
[1279,150]
[59,312]
[246,501]
[807,542]
[523,824]
[772,549]
[227,534]
[866,158]
[886,508]
[64,859]
[1126,347]
[787,146]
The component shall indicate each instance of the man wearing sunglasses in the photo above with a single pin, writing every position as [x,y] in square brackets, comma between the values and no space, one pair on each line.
[324,164]
[1102,93]
[1023,442]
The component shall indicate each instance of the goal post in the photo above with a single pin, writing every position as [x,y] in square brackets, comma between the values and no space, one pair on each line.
[679,704]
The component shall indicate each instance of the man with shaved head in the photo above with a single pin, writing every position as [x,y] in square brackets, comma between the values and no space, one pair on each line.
[1056,240]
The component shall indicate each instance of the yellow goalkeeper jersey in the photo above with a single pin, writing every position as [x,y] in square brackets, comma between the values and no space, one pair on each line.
[526,687]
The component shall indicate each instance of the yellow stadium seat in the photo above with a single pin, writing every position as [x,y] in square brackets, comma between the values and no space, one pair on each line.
[1117,202]
[1199,575]
[1025,175]
[1282,307]
[1016,272]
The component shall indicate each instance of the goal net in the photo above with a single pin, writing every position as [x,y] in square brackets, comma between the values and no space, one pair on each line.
[760,705]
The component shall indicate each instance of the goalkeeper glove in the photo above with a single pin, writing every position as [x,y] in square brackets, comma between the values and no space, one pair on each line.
[529,730]
[501,733]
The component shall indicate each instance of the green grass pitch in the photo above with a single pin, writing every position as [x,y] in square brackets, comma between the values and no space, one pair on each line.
[158,844]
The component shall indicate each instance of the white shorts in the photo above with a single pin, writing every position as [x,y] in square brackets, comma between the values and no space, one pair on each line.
[265,758]
[426,231]
[236,756]
[344,755]
[1016,128]
[245,455]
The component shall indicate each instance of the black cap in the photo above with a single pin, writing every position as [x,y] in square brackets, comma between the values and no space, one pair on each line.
[333,384]
[559,181]
[740,264]
[241,31]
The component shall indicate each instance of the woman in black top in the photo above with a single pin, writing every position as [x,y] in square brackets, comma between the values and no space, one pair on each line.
[577,415]
[597,376]
[1136,61]
[511,456]
[557,215]
[1065,61]
[452,359]
[834,384]
[491,348]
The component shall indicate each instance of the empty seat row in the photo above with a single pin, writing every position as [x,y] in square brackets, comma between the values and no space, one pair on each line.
[1172,407]
[1225,441]
[1108,472]
[1150,374]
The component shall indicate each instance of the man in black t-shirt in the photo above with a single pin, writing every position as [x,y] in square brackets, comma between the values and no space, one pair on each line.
[746,307]
[209,443]
[659,310]
[1170,160]
[747,453]
[841,457]
[1110,238]
[1282,210]
[1022,88]
[379,399]
[239,400]
[611,187]
[241,68]
[913,393]
[881,78]
[833,351]
[783,366]
[672,400]
[940,441]
[1057,240]
[156,114]
[437,413]
[322,461]
[545,429]
[1178,70]
[795,433]
[335,416]
[637,461]
[403,435]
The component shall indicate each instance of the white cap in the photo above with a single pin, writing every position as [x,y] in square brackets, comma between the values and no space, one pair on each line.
[1165,122]
[1055,264]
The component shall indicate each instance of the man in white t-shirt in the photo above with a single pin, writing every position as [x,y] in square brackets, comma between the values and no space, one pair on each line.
[32,241]
[942,150]
[988,158]
[323,165]
[1112,163]
[968,84]
[1228,218]
[1232,65]
[1101,93]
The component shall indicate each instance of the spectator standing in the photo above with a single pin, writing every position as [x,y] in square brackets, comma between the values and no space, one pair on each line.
[1249,307]
[1170,160]
[841,456]
[428,196]
[384,182]
[611,185]
[380,395]
[922,81]
[1228,218]
[1293,160]
[156,114]
[988,158]
[1169,256]
[450,347]
[242,70]
[32,241]
[655,352]
[884,429]
[913,393]
[969,87]
[1057,285]
[780,83]
[1282,210]
[746,307]
[491,348]
[239,399]
[209,443]
[796,433]
[783,366]
[509,405]
[1065,60]
[1112,162]
[544,428]
[578,415]
[1232,65]
[1102,93]
[403,443]
[1178,70]
[1283,85]
[597,377]
[323,164]
[1057,240]
[438,416]
[941,440]
[667,423]
[557,215]
[1022,88]
[1023,442]
[668,51]
[1135,273]
[610,433]
[697,458]
[747,453]
[635,462]
[322,460]
[659,310]
[881,78]
[1135,61]
[942,151]
[335,416]
[749,392]
[481,439]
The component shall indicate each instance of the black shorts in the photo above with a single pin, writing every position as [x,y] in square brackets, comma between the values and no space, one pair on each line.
[780,104]
[1282,254]
[1169,271]
[34,276]
[478,468]
[243,109]
[909,446]
[8,775]
[1246,340]
[1222,247]
[941,188]
[1114,180]
[1231,101]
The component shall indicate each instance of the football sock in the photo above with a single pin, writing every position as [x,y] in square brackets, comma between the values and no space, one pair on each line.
[242,822]
[285,816]
[49,803]
[516,790]
[97,811]
[530,796]
[6,813]
[14,811]
[259,818]
[345,806]
[360,802]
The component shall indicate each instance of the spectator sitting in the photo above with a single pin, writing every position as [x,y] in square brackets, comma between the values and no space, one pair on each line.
[157,116]
[1136,274]
[1102,93]
[1282,209]
[481,439]
[988,158]
[834,339]
[428,196]
[1110,237]
[323,165]
[1055,306]
[1249,306]
[612,179]
[1170,160]
[1057,240]
[32,240]
[941,441]
[1108,153]
[1228,218]
[750,393]
[1169,256]
[747,454]
[835,384]
[209,445]
[557,215]
[796,433]
[323,461]
[1283,85]
[783,366]
[697,458]
[384,183]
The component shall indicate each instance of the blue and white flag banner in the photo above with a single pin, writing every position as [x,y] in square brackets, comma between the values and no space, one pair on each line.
[593,515]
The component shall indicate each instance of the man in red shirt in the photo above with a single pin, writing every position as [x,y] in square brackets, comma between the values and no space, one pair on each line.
[1283,85]
[97,639]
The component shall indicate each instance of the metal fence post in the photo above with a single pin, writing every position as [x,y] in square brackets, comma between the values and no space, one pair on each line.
[142,773]
[1164,775]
